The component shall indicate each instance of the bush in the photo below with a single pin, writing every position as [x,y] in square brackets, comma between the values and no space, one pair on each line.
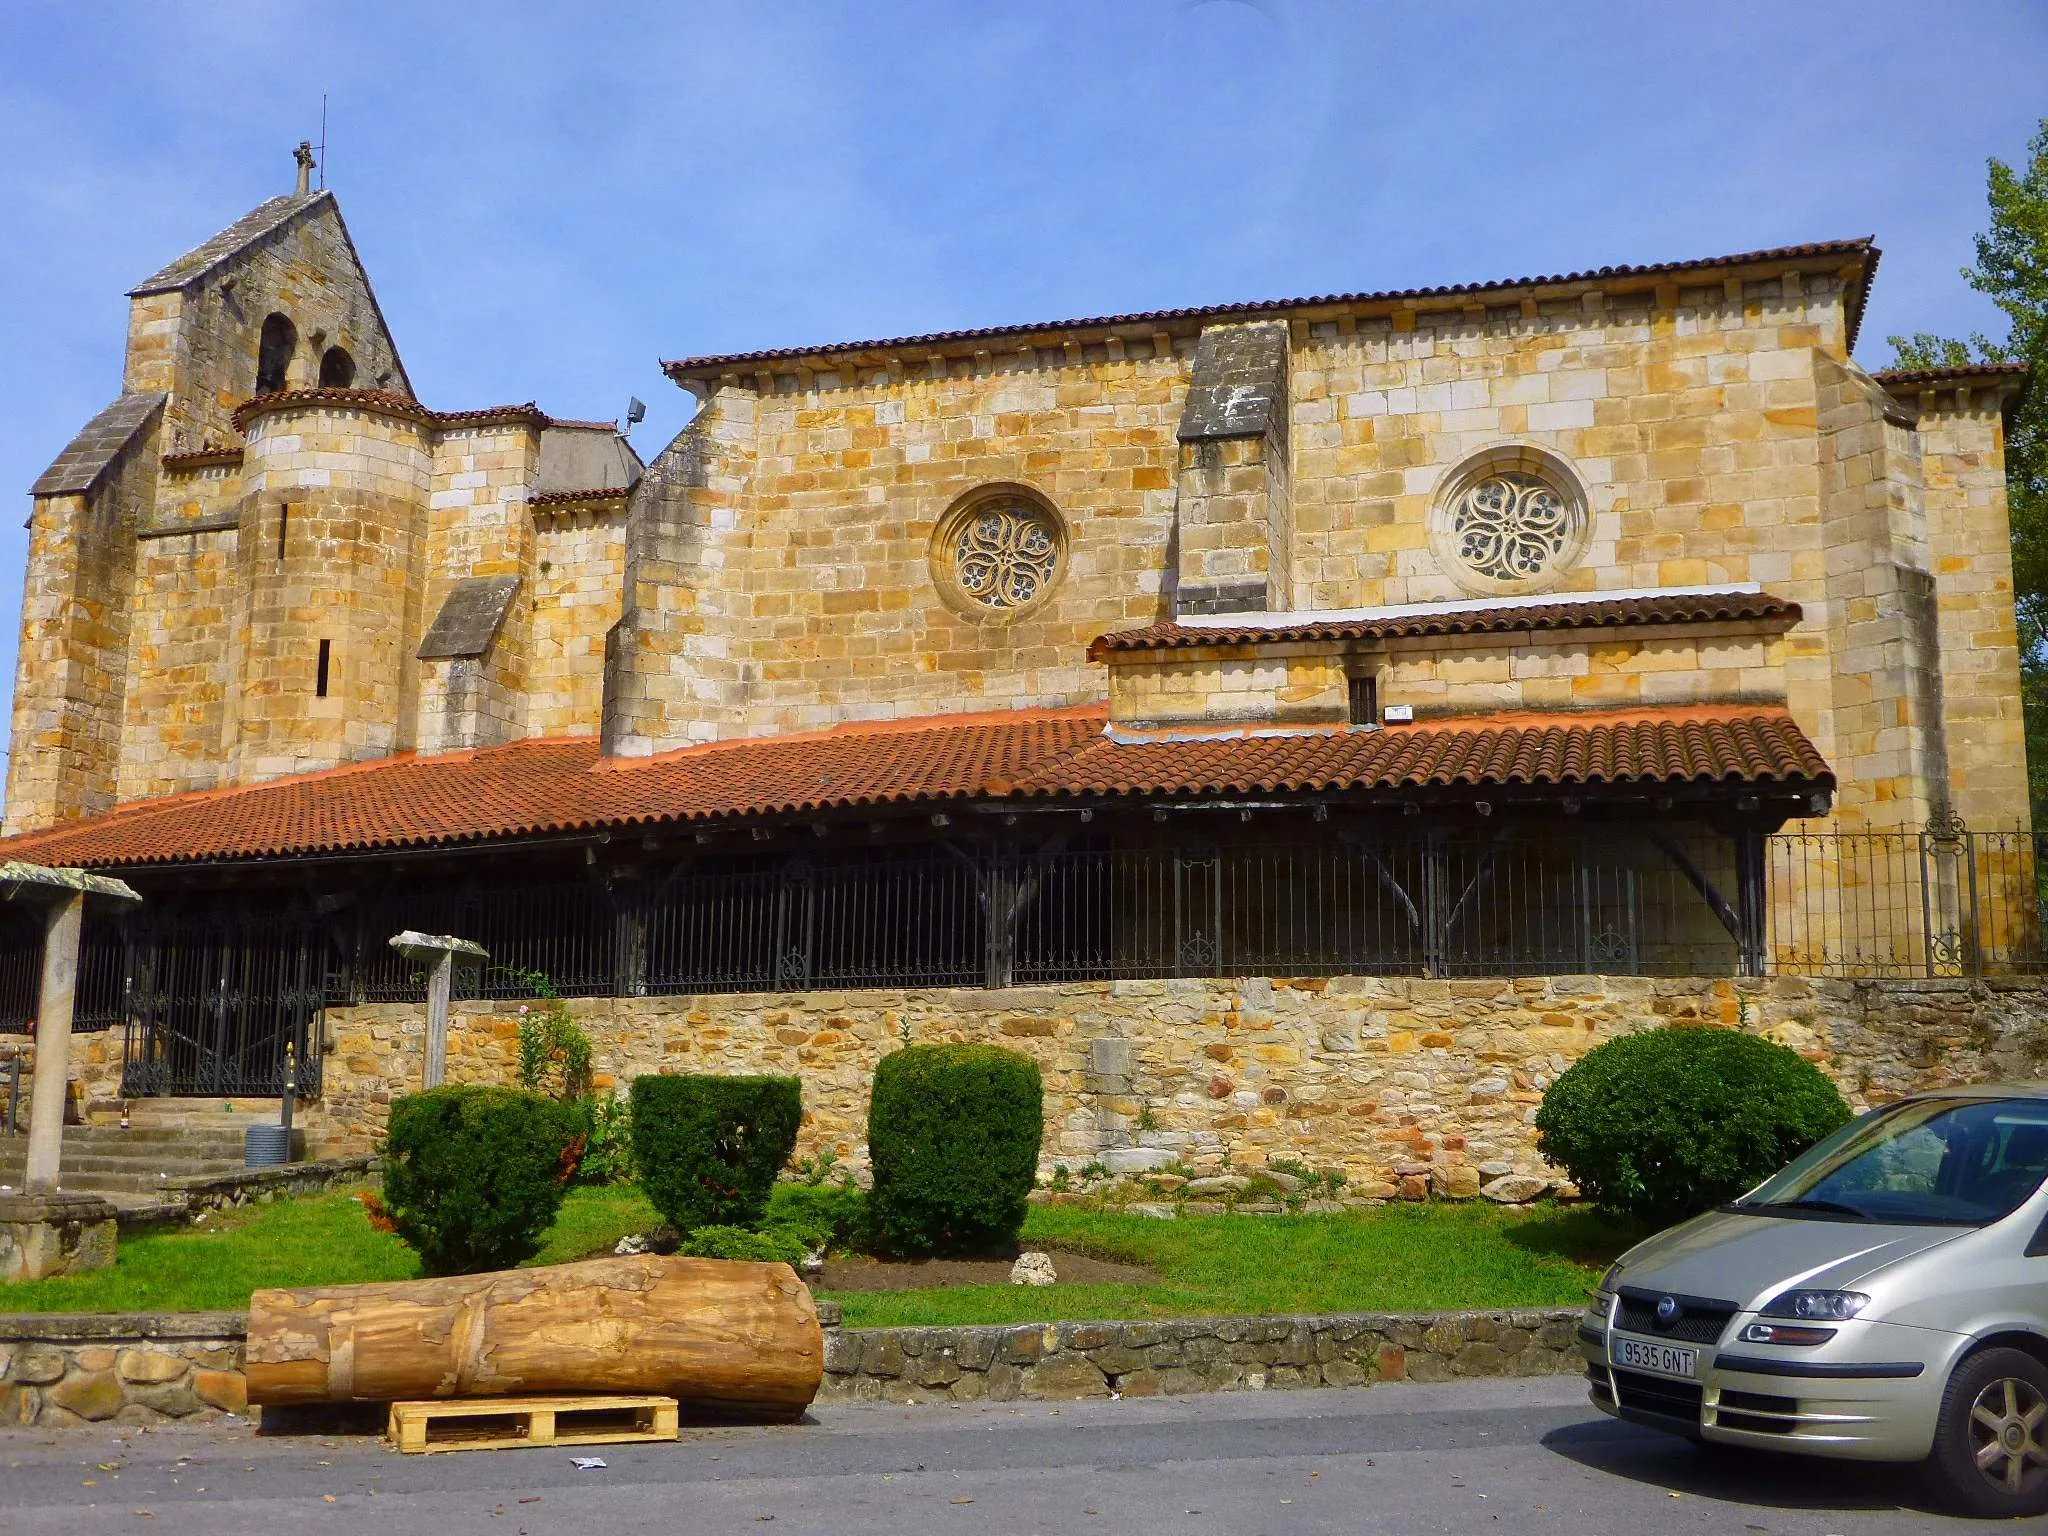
[473,1176]
[709,1148]
[773,1246]
[1666,1124]
[824,1216]
[608,1142]
[554,1052]
[953,1133]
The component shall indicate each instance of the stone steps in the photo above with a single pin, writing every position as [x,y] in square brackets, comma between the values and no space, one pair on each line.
[104,1158]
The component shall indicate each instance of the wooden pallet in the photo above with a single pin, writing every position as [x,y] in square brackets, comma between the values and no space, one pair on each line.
[501,1423]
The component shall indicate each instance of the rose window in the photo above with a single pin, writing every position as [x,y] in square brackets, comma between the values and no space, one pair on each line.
[1004,554]
[1510,521]
[1511,527]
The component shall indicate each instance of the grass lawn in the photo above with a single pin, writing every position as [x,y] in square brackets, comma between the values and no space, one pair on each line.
[318,1240]
[1396,1258]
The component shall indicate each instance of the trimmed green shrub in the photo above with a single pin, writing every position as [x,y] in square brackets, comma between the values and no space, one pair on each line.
[953,1133]
[829,1216]
[772,1246]
[1666,1124]
[709,1148]
[473,1175]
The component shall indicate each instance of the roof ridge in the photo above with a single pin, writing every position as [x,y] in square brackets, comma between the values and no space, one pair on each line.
[226,243]
[851,729]
[1864,246]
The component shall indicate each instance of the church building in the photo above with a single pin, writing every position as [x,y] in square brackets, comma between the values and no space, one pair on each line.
[1237,661]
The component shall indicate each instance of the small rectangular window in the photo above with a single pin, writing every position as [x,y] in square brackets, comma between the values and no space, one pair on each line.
[1365,700]
[320,679]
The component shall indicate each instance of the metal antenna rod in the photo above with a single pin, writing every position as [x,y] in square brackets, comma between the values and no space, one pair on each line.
[323,141]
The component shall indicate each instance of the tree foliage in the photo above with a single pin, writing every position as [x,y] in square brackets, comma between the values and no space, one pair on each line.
[2012,271]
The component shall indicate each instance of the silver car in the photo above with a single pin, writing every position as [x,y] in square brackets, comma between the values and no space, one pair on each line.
[1885,1298]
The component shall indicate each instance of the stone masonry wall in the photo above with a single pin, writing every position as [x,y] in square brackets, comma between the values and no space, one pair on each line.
[1970,532]
[1170,1357]
[1409,1086]
[1306,682]
[64,1372]
[579,571]
[61,1372]
[201,343]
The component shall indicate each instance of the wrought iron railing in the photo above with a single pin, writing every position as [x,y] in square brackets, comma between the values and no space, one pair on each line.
[1937,901]
[218,985]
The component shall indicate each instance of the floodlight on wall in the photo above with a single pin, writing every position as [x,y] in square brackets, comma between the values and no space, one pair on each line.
[636,412]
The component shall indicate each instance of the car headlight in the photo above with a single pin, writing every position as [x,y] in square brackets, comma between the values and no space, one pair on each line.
[1818,1306]
[1602,1300]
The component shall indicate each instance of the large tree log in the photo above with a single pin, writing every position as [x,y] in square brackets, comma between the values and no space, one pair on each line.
[719,1333]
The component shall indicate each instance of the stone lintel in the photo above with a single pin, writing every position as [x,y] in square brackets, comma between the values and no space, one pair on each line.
[433,946]
[40,882]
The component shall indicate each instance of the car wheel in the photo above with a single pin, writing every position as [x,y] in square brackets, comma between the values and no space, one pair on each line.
[1991,1441]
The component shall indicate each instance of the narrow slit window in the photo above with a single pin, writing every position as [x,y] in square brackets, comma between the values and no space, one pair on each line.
[284,518]
[326,660]
[1365,700]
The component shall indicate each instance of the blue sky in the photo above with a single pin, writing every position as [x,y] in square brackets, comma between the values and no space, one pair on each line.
[551,197]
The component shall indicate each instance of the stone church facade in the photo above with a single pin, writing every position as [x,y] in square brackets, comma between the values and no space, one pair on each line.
[1510,631]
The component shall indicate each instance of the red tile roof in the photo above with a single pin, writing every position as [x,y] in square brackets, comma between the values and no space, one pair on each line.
[1589,612]
[1955,373]
[1862,251]
[390,403]
[563,786]
[600,493]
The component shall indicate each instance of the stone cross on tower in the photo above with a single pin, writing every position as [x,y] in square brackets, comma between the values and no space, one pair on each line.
[304,156]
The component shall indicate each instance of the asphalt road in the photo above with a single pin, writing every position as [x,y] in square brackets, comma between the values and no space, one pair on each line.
[1514,1456]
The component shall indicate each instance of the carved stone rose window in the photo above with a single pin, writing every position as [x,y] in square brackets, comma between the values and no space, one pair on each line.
[1509,521]
[997,552]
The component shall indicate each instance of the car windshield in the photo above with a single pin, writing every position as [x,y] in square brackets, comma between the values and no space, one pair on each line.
[1961,1162]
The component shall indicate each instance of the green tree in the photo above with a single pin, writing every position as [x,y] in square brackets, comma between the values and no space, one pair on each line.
[2012,269]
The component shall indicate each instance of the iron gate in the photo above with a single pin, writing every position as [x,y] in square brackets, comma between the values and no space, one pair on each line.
[212,1008]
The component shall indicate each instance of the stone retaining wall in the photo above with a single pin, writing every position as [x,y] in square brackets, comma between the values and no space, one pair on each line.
[60,1371]
[64,1371]
[179,1200]
[1174,1356]
[1411,1087]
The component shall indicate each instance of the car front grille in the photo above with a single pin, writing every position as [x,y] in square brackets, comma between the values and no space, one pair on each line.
[1653,1394]
[1758,1412]
[1701,1319]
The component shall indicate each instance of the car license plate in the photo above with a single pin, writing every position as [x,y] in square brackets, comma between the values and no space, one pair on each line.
[1658,1359]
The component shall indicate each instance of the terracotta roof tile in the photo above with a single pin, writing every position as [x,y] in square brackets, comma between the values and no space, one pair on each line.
[389,402]
[1861,250]
[1955,373]
[1591,612]
[563,786]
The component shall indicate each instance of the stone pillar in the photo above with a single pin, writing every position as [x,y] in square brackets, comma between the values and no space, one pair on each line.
[437,951]
[61,928]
